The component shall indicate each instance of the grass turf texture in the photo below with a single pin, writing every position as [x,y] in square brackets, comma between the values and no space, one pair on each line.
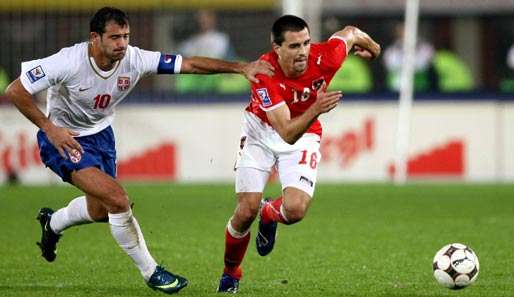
[357,240]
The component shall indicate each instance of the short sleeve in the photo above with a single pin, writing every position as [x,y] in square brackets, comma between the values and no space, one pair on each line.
[39,75]
[335,51]
[267,93]
[148,62]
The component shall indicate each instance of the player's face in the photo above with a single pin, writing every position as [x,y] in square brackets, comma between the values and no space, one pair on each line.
[113,43]
[294,51]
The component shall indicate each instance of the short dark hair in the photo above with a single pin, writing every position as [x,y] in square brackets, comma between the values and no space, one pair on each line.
[105,15]
[286,23]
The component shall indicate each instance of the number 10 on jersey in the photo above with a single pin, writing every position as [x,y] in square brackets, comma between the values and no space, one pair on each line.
[102,101]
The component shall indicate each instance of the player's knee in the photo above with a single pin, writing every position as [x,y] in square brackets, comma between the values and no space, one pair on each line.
[294,216]
[118,201]
[295,212]
[247,212]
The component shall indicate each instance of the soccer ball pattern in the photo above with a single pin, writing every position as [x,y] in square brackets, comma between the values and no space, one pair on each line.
[455,266]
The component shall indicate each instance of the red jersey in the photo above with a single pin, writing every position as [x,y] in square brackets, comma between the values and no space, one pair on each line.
[301,92]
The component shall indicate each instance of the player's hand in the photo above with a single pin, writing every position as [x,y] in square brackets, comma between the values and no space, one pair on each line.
[362,52]
[326,101]
[250,70]
[367,54]
[63,140]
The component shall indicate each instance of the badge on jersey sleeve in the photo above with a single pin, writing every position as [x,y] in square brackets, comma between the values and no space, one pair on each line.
[36,74]
[263,94]
[123,83]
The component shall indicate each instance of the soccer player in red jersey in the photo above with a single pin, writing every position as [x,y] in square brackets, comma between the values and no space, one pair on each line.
[281,129]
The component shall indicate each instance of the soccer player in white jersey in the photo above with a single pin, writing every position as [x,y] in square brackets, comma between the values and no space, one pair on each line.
[85,82]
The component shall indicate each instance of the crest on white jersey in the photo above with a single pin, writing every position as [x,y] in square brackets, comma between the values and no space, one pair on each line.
[35,74]
[123,83]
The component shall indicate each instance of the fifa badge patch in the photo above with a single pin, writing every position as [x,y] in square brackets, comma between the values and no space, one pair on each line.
[75,156]
[123,83]
[36,74]
[263,94]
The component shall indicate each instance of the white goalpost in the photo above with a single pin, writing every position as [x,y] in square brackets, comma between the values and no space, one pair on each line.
[294,7]
[406,90]
[298,7]
[311,11]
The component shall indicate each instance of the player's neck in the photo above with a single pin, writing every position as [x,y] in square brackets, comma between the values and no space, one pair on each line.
[101,61]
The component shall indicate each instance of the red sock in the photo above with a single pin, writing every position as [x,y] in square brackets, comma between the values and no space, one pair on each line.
[270,212]
[235,249]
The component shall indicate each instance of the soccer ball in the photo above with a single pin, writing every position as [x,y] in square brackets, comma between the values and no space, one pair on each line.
[455,266]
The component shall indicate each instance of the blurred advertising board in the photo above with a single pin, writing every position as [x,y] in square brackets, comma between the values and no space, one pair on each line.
[454,141]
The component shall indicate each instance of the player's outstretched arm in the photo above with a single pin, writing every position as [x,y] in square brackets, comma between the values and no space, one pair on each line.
[359,41]
[204,65]
[292,129]
[61,138]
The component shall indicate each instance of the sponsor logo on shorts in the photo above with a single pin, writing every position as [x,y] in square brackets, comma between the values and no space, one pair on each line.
[36,74]
[242,142]
[75,156]
[306,180]
[263,94]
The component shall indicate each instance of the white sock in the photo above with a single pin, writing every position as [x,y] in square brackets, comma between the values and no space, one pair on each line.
[74,214]
[126,232]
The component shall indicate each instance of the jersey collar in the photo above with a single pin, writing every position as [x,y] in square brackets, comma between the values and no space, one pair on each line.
[97,70]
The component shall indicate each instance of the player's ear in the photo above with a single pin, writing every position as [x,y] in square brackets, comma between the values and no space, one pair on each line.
[275,47]
[93,36]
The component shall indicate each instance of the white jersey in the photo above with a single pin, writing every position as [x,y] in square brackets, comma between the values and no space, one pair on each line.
[82,97]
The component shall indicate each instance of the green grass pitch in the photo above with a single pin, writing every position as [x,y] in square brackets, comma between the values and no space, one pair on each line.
[357,240]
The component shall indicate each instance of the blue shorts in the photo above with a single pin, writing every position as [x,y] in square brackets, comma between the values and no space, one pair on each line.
[99,151]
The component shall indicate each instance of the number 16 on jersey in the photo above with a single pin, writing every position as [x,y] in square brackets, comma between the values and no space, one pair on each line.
[313,159]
